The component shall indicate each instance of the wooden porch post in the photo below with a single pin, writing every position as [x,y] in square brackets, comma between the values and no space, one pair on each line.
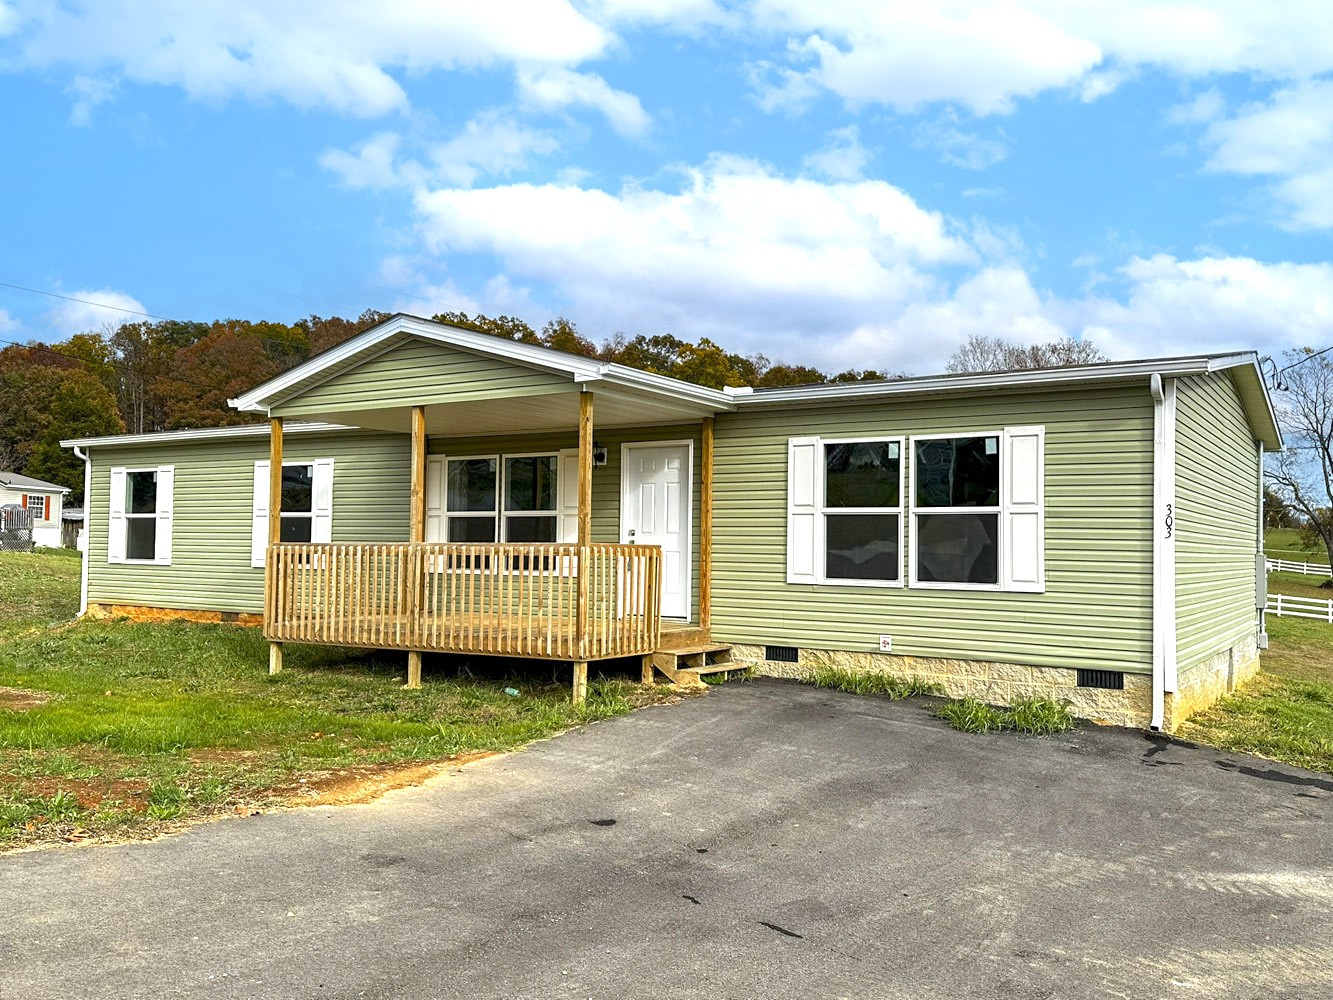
[416,534]
[706,527]
[274,527]
[584,540]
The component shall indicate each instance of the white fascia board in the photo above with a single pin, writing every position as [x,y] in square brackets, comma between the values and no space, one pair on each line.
[1044,378]
[662,385]
[203,434]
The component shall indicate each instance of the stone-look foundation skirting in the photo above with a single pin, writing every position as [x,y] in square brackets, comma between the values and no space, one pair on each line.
[993,683]
[1200,685]
[140,613]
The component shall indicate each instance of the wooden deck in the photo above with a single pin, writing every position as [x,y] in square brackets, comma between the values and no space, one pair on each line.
[562,602]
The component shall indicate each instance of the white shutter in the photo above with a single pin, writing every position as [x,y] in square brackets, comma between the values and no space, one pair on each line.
[321,528]
[166,488]
[802,510]
[1023,540]
[435,467]
[567,496]
[259,516]
[115,527]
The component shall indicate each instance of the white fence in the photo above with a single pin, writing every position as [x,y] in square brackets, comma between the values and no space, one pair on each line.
[1284,605]
[1289,566]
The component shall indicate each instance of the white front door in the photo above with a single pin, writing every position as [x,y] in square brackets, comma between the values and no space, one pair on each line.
[655,510]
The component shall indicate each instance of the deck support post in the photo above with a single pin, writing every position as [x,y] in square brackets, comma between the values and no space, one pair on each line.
[581,615]
[646,676]
[416,534]
[274,530]
[706,527]
[580,682]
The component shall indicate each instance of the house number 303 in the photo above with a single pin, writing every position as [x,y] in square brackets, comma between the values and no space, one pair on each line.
[1170,519]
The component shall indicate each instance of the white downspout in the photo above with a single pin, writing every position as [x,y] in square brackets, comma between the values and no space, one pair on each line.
[87,534]
[1164,679]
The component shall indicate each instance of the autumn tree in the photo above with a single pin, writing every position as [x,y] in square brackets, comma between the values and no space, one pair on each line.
[1302,475]
[232,357]
[45,398]
[984,353]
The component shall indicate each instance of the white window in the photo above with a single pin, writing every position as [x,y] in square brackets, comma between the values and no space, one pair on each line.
[509,498]
[845,517]
[307,505]
[139,527]
[978,511]
[37,507]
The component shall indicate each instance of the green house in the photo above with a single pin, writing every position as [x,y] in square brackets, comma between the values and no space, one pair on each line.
[1091,534]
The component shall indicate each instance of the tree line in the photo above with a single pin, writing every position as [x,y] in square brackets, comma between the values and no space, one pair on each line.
[147,376]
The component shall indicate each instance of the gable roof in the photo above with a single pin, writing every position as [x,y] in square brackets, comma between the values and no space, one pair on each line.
[16,482]
[400,328]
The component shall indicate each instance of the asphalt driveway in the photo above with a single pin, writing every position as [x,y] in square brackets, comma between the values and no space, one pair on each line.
[768,840]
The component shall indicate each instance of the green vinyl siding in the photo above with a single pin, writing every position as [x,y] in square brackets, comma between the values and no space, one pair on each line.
[1216,519]
[419,373]
[1096,610]
[605,478]
[213,507]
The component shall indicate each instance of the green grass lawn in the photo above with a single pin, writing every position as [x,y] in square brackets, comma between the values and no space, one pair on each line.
[122,729]
[1286,713]
[1285,543]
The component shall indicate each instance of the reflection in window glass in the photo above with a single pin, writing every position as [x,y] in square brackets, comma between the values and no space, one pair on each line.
[471,529]
[298,489]
[530,528]
[141,538]
[141,493]
[861,546]
[471,485]
[297,528]
[958,472]
[957,548]
[861,474]
[530,484]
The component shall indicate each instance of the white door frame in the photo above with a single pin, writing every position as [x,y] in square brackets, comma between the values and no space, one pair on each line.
[687,559]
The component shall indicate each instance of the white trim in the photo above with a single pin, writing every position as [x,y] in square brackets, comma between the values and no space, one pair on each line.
[1164,516]
[822,511]
[998,511]
[1018,512]
[87,509]
[687,557]
[321,504]
[475,515]
[205,434]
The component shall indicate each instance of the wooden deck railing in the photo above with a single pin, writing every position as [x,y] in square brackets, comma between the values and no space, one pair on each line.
[504,600]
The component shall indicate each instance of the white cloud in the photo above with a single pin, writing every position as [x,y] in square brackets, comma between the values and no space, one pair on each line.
[492,144]
[678,15]
[985,56]
[1288,138]
[88,92]
[554,89]
[1206,107]
[968,150]
[842,159]
[737,252]
[8,324]
[97,308]
[9,19]
[335,54]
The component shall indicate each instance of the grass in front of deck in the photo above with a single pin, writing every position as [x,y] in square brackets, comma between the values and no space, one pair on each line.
[125,729]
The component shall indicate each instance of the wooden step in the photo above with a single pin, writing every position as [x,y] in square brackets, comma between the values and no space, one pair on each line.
[677,637]
[685,664]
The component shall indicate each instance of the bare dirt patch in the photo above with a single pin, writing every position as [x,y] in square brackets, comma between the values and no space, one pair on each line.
[124,793]
[20,700]
[364,783]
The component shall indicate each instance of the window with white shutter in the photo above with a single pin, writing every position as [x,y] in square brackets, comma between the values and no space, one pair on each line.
[140,517]
[307,505]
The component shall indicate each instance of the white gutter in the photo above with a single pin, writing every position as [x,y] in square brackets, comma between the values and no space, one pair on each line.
[1164,677]
[87,536]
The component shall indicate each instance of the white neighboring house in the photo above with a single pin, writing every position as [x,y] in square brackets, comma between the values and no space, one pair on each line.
[42,500]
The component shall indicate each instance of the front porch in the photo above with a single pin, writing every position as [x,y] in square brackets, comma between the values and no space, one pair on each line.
[557,591]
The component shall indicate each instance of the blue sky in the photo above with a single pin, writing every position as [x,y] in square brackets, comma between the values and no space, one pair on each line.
[838,184]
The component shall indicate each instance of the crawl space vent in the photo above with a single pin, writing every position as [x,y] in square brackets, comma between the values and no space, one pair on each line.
[781,654]
[1111,680]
